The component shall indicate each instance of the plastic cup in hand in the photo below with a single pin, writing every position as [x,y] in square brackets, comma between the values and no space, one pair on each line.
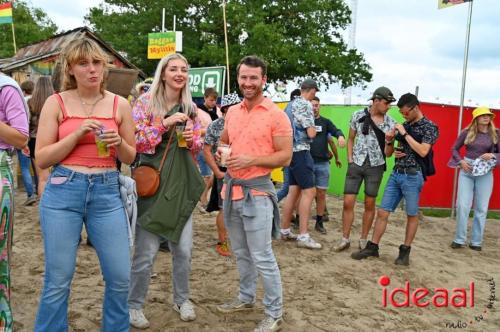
[102,147]
[181,141]
[225,152]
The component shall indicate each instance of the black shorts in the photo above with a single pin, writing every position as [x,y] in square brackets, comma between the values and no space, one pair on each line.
[302,170]
[215,200]
[31,145]
[371,176]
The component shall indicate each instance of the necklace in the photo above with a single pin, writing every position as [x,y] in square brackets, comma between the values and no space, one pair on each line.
[92,105]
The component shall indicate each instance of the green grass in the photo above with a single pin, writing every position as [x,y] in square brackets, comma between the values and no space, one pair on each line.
[445,213]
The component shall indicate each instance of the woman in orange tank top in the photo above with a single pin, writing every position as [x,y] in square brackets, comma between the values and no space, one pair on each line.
[82,131]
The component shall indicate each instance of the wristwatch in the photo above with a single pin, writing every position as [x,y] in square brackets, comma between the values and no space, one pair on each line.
[404,135]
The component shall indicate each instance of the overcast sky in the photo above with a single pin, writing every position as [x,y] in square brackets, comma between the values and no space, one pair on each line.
[407,43]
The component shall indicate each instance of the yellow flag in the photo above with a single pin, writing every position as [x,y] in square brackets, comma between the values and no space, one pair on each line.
[448,3]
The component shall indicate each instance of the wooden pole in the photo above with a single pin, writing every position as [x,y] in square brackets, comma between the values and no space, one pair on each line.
[226,45]
[14,39]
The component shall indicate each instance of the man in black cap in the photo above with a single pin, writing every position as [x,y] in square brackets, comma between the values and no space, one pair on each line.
[413,163]
[301,170]
[368,130]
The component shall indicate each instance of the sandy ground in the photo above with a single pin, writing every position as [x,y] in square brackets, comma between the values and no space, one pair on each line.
[323,290]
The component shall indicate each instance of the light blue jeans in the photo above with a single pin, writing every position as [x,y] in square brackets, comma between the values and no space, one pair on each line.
[25,164]
[146,248]
[477,188]
[70,200]
[251,243]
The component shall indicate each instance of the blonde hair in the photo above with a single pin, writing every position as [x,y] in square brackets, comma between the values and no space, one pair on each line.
[76,50]
[158,91]
[472,129]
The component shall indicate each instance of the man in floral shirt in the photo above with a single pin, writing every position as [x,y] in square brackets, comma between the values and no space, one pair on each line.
[301,170]
[416,137]
[212,138]
[366,158]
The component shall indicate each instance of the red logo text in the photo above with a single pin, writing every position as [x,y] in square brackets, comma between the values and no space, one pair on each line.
[423,297]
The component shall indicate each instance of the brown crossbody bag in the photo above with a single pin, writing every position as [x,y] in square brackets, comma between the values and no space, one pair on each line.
[147,178]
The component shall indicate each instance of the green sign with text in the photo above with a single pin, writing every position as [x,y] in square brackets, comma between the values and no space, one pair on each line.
[207,77]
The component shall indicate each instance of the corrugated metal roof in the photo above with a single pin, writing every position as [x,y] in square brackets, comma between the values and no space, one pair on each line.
[53,46]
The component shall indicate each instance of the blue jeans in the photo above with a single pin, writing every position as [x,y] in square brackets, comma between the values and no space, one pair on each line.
[25,164]
[402,185]
[70,200]
[146,248]
[202,164]
[283,192]
[251,243]
[322,174]
[478,188]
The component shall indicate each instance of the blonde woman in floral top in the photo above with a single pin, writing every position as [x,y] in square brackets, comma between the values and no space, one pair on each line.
[166,214]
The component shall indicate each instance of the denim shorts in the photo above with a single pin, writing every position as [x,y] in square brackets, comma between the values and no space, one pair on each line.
[202,164]
[403,185]
[302,170]
[371,176]
[322,174]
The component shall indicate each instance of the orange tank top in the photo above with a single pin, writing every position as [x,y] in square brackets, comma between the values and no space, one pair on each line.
[85,151]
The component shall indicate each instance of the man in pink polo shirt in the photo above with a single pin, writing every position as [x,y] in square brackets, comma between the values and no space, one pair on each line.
[260,136]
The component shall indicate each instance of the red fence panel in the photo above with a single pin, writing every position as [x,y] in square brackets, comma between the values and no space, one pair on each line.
[438,189]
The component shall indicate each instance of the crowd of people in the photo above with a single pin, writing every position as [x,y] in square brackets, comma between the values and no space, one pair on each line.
[213,159]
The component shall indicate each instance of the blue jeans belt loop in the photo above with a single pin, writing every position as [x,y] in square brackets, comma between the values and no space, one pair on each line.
[406,170]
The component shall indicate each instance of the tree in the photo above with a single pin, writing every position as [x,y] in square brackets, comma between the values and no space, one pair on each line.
[297,38]
[31,25]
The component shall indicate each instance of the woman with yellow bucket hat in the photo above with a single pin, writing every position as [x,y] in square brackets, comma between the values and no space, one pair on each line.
[475,182]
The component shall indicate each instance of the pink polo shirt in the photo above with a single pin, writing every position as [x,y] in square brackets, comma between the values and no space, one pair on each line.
[251,133]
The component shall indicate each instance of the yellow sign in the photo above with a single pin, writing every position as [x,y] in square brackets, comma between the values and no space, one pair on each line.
[161,44]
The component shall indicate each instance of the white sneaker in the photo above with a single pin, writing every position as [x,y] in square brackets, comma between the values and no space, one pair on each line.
[186,310]
[362,243]
[308,243]
[343,244]
[137,319]
[289,236]
[269,324]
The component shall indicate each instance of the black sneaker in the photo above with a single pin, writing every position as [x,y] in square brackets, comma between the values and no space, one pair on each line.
[476,248]
[319,227]
[371,250]
[455,245]
[404,255]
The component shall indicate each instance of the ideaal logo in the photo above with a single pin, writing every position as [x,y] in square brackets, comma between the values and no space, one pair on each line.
[441,297]
[438,297]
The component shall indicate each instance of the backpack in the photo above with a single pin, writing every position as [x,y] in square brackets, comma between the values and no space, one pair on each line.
[299,133]
[426,163]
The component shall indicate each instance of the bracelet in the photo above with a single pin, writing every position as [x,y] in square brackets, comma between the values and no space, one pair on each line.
[389,142]
[404,135]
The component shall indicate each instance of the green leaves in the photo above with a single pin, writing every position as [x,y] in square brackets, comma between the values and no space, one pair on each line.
[297,38]
[31,25]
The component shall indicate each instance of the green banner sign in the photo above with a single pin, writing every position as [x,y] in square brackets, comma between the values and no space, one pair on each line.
[207,77]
